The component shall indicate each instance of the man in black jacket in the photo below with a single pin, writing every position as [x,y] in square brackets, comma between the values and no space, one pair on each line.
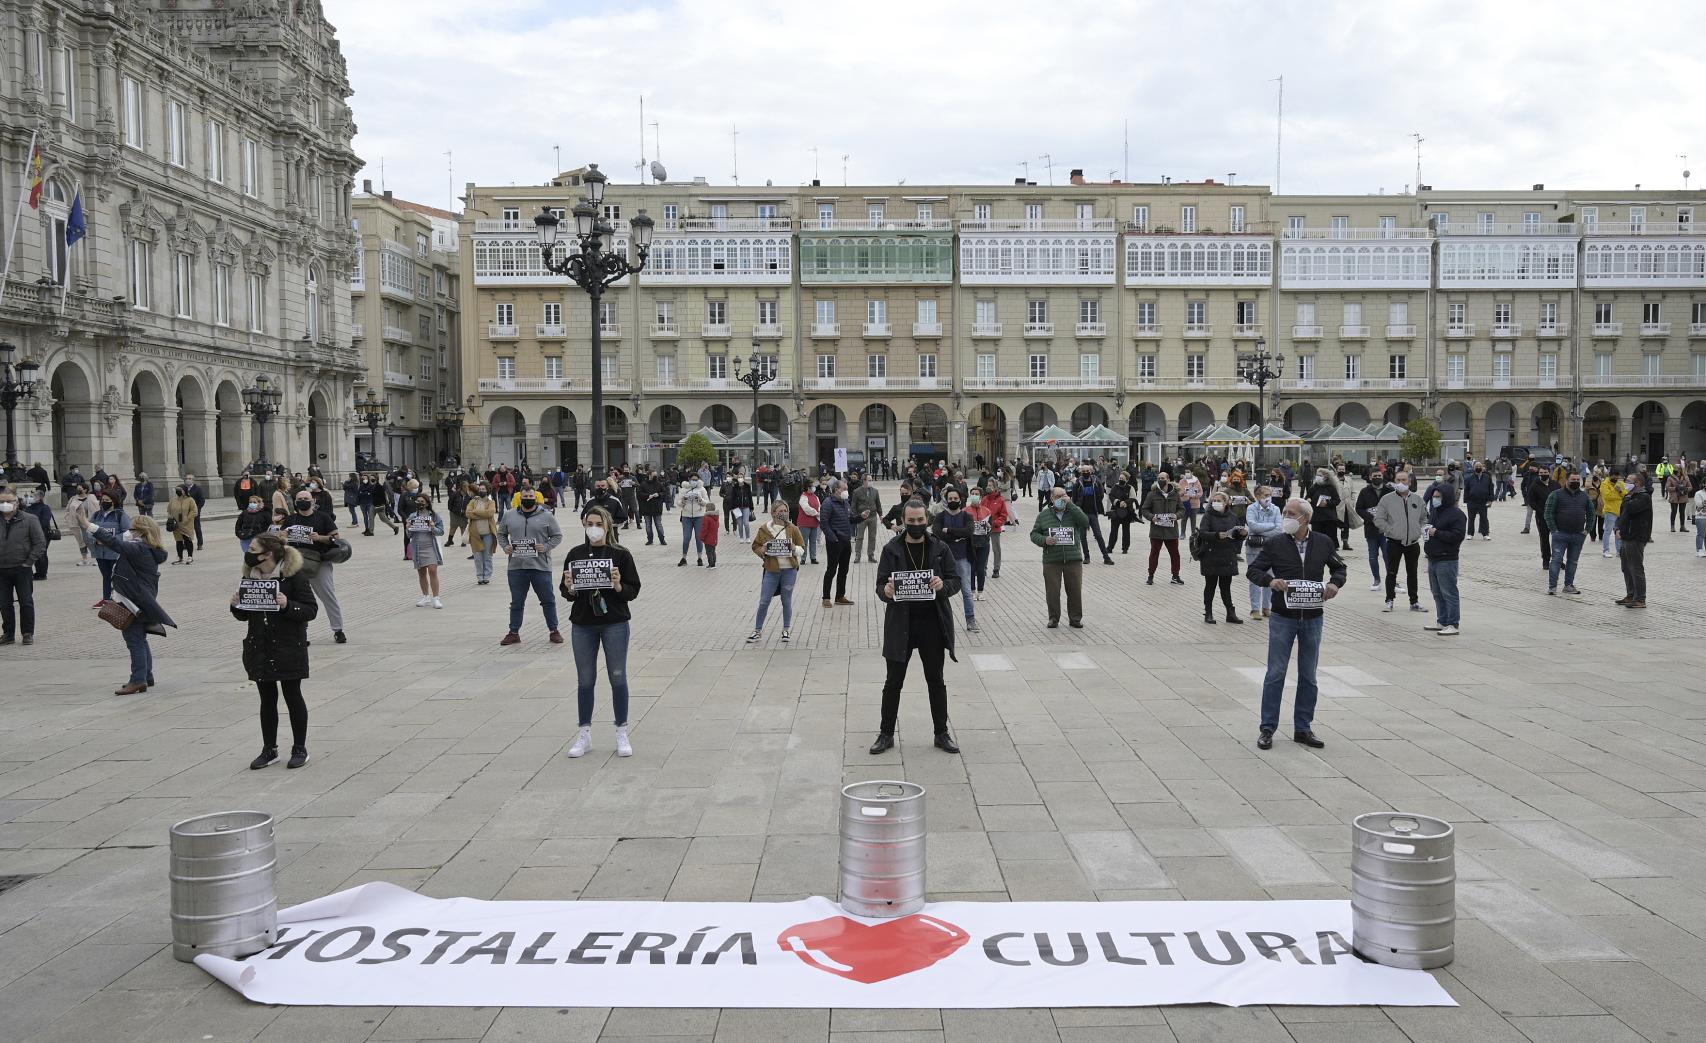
[1447,528]
[194,490]
[1478,494]
[1635,526]
[1087,496]
[1540,488]
[1566,516]
[927,626]
[1300,558]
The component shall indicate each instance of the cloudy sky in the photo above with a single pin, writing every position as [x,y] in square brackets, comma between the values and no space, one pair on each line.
[1505,94]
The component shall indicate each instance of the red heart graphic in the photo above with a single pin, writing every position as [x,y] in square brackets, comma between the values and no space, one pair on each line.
[870,953]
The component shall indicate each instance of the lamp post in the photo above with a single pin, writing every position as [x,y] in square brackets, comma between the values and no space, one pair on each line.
[592,264]
[260,400]
[755,377]
[372,411]
[1260,368]
[16,385]
[450,422]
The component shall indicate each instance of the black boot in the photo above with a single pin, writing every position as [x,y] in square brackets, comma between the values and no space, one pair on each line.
[884,743]
[268,755]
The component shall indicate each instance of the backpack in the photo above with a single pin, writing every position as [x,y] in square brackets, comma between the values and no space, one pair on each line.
[1198,547]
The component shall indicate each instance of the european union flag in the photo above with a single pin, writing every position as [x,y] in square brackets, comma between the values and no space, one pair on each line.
[76,226]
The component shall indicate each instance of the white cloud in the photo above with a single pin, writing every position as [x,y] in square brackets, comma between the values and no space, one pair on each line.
[946,91]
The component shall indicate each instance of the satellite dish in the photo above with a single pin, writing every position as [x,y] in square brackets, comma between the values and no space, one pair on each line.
[658,172]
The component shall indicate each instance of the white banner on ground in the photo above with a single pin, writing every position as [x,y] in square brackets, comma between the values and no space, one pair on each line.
[380,945]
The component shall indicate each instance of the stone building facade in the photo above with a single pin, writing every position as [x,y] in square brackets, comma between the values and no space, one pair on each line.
[957,320]
[210,142]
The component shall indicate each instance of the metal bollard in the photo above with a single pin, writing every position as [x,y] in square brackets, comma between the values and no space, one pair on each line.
[882,848]
[224,898]
[1403,890]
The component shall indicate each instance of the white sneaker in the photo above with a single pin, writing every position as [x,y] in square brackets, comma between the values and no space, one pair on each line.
[623,747]
[437,602]
[1388,607]
[1448,631]
[1486,536]
[582,743]
[977,596]
[1608,554]
[1430,626]
[423,602]
[1374,586]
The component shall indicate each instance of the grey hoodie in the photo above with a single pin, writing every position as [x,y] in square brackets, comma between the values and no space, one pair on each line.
[541,527]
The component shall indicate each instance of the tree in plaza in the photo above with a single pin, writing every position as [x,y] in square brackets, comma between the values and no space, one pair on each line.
[1420,441]
[696,450]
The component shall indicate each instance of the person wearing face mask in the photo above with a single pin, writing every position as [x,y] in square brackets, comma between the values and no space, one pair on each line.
[1296,555]
[136,581]
[181,515]
[1478,493]
[1059,531]
[312,532]
[710,533]
[806,516]
[867,506]
[352,498]
[252,521]
[692,501]
[1634,532]
[527,536]
[1215,547]
[982,537]
[1445,531]
[1611,492]
[22,544]
[112,520]
[275,649]
[424,527]
[923,626]
[482,514]
[999,510]
[82,506]
[1539,491]
[1123,501]
[954,528]
[1087,497]
[602,496]
[1161,510]
[1400,516]
[1324,498]
[1261,523]
[1566,515]
[144,494]
[781,547]
[33,504]
[835,520]
[599,618]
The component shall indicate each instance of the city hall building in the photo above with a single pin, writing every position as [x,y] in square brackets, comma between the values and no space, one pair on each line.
[210,146]
[955,321]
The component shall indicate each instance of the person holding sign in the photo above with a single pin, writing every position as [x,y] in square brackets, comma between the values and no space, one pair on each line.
[1305,570]
[781,547]
[1058,530]
[276,600]
[527,536]
[954,527]
[599,579]
[917,579]
[424,527]
[1161,508]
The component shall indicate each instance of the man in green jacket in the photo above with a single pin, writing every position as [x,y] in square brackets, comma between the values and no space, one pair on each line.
[1057,530]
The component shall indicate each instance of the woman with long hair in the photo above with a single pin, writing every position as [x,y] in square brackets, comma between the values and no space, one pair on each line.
[781,547]
[598,618]
[181,514]
[136,581]
[482,514]
[275,651]
[425,527]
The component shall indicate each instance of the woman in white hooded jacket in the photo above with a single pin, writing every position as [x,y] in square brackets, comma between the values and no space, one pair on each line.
[692,499]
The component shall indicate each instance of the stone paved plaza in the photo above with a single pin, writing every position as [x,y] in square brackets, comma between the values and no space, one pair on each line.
[1565,737]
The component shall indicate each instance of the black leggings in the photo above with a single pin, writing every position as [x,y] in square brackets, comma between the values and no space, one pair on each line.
[294,702]
[1208,585]
[1679,516]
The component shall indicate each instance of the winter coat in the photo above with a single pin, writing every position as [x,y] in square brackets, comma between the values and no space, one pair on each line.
[1367,500]
[276,647]
[541,527]
[897,617]
[252,523]
[598,607]
[954,529]
[1568,512]
[1074,518]
[182,513]
[482,514]
[867,501]
[1635,524]
[1263,522]
[771,531]
[1280,560]
[22,541]
[1000,512]
[1162,503]
[651,498]
[1478,489]
[114,523]
[1611,496]
[137,574]
[1324,500]
[836,520]
[710,529]
[144,495]
[1216,556]
[1400,518]
[1450,526]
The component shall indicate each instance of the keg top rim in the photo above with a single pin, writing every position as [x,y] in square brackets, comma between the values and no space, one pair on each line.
[1400,825]
[870,790]
[220,823]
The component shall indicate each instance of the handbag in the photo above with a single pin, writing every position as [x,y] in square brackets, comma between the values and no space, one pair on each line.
[171,525]
[116,614]
[337,552]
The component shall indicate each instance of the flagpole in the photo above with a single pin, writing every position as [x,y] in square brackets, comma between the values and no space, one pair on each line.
[18,215]
[65,285]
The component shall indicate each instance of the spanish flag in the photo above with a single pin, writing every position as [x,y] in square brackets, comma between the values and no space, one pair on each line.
[35,179]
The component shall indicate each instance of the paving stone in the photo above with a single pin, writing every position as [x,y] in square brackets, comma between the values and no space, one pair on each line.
[1543,932]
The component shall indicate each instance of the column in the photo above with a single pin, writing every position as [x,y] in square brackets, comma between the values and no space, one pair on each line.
[583,441]
[1625,437]
[902,441]
[1673,431]
[636,436]
[1478,434]
[852,436]
[476,445]
[802,450]
[159,442]
[201,457]
[957,444]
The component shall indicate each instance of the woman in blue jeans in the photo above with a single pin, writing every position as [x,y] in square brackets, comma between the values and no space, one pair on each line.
[781,547]
[598,597]
[139,551]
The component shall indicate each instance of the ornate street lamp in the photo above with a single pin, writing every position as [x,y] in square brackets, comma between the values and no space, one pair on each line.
[450,422]
[756,376]
[1260,368]
[591,263]
[372,411]
[260,400]
[17,384]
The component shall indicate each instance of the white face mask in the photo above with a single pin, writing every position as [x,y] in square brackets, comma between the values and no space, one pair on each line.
[1264,500]
[1217,506]
[1401,487]
[8,508]
[595,534]
[1289,526]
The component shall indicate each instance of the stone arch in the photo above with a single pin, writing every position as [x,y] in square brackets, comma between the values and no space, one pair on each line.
[194,436]
[773,420]
[1546,424]
[1400,413]
[230,426]
[825,427]
[1352,413]
[150,432]
[721,417]
[1244,415]
[75,428]
[322,433]
[1599,432]
[1034,418]
[507,436]
[929,428]
[1146,425]
[1087,414]
[1647,431]
[615,435]
[986,435]
[559,438]
[1454,422]
[1193,417]
[1301,418]
[1500,422]
[1693,430]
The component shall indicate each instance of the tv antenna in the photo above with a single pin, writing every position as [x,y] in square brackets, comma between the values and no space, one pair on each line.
[734,144]
[1685,171]
[1026,164]
[641,165]
[814,164]
[1049,161]
[1419,139]
[1279,128]
[449,180]
[844,158]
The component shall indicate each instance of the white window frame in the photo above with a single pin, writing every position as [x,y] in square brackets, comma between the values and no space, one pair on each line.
[257,297]
[1196,367]
[826,365]
[1235,219]
[1188,218]
[927,311]
[251,168]
[717,365]
[183,285]
[135,111]
[553,313]
[927,365]
[141,278]
[985,366]
[1146,367]
[506,367]
[1037,366]
[1140,216]
[877,366]
[504,314]
[222,295]
[1353,367]
[214,150]
[1089,367]
[767,312]
[177,133]
[1397,367]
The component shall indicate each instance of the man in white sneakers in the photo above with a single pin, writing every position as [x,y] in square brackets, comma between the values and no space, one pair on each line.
[1401,516]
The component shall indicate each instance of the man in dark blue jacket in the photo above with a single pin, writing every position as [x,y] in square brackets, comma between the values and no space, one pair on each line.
[1296,555]
[1446,531]
[835,521]
[1478,493]
[1566,516]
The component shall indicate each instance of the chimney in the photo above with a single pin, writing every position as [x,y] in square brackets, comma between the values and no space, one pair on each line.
[367,186]
[817,183]
[1208,181]
[387,195]
[1018,181]
[1077,175]
[1539,188]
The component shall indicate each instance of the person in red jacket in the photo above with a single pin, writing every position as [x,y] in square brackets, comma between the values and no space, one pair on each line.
[1000,514]
[709,526]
